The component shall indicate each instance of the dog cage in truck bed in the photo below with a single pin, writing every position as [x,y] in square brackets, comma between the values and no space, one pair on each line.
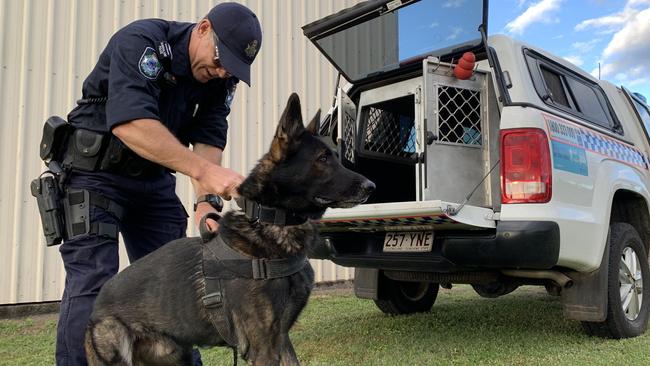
[406,122]
[426,144]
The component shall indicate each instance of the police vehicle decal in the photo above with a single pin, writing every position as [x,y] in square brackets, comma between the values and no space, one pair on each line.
[569,158]
[570,142]
[149,65]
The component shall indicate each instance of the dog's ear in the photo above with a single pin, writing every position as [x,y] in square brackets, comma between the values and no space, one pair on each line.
[289,129]
[314,125]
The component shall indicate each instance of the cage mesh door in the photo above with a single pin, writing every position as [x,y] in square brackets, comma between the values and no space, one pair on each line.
[348,138]
[459,115]
[387,134]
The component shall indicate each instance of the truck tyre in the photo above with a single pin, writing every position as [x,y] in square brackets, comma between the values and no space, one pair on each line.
[628,301]
[405,297]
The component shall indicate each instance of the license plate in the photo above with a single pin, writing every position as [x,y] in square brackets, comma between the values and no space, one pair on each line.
[420,241]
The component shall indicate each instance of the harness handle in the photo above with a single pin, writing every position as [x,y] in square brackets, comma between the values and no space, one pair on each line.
[206,234]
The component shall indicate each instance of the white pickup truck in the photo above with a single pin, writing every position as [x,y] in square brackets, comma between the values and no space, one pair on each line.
[529,172]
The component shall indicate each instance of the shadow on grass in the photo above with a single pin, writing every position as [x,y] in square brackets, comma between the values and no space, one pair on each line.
[525,327]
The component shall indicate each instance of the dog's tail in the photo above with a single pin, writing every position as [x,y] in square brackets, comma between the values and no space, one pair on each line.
[108,342]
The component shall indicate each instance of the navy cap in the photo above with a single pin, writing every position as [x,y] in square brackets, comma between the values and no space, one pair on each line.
[240,38]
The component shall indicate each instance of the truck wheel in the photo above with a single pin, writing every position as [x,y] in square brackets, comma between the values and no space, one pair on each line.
[628,301]
[404,297]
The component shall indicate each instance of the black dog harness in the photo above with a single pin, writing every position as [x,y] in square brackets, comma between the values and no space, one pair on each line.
[222,262]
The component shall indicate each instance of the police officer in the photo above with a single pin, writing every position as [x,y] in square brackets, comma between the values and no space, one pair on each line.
[158,87]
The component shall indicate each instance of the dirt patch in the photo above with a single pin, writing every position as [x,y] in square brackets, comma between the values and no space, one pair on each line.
[328,289]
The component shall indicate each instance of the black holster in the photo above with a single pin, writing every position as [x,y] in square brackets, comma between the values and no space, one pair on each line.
[65,212]
[48,197]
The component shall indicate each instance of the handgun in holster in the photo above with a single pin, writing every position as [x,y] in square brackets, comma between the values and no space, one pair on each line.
[46,188]
[65,213]
[48,196]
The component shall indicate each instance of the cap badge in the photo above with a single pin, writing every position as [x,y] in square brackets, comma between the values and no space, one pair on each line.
[251,49]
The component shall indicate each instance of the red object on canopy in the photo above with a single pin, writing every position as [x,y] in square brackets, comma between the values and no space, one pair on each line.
[465,67]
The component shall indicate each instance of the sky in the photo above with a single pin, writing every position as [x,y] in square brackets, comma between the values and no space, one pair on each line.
[614,33]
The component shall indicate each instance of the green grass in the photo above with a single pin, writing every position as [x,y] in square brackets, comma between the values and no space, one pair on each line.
[523,328]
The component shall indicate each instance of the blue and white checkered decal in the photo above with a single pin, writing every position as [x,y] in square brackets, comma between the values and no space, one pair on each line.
[573,134]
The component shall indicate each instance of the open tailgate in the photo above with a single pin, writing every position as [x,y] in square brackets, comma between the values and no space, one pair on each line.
[400,216]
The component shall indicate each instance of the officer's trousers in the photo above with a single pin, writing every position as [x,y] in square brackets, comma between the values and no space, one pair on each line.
[153,216]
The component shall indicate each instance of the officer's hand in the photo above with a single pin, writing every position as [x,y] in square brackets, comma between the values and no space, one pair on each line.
[203,209]
[221,181]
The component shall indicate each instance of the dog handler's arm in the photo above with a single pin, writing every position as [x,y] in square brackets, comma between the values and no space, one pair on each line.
[153,141]
[213,155]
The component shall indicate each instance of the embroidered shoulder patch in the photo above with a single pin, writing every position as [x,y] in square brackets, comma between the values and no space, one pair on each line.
[149,65]
[230,95]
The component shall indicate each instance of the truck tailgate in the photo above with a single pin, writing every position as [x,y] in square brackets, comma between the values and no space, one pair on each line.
[396,216]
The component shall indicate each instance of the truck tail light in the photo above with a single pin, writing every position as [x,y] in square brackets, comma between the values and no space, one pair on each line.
[526,173]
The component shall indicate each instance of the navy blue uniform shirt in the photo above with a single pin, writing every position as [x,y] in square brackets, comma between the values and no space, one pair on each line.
[130,73]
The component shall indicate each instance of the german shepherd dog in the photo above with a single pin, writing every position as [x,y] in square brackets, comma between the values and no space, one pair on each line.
[153,313]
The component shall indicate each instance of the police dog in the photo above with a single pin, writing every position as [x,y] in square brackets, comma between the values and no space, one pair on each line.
[153,312]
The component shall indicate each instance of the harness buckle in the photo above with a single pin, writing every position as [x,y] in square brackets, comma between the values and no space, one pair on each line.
[213,300]
[260,270]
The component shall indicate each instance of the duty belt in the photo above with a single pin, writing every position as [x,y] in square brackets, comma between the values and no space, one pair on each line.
[88,150]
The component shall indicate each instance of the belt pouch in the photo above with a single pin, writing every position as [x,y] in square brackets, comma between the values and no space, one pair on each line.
[84,150]
[55,134]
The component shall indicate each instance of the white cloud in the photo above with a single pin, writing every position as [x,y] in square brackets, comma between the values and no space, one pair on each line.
[574,59]
[632,38]
[453,4]
[638,81]
[585,47]
[624,59]
[455,32]
[613,22]
[538,12]
[638,2]
[606,21]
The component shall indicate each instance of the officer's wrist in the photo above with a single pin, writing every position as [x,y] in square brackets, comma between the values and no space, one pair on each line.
[201,169]
[204,205]
[211,199]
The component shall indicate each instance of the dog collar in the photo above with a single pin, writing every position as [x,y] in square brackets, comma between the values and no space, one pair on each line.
[269,215]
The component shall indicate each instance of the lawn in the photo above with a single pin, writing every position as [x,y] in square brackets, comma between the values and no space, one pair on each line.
[523,328]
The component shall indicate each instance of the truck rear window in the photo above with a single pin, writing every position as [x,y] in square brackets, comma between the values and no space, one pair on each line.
[570,92]
[555,87]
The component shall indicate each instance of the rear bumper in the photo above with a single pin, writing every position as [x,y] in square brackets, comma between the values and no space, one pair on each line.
[513,244]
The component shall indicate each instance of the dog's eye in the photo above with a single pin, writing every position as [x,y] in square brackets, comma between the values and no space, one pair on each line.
[322,158]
